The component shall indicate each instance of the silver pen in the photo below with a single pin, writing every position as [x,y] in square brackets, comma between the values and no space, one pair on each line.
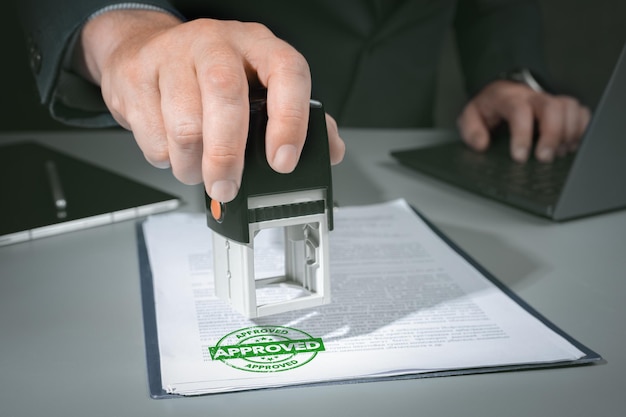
[57,188]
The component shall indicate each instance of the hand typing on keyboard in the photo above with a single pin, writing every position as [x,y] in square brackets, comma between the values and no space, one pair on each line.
[561,120]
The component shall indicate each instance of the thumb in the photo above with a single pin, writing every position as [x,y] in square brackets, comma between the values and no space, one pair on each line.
[473,129]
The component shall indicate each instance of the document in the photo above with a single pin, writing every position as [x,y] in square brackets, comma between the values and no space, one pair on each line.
[404,303]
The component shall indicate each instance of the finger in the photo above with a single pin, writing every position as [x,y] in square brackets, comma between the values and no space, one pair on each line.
[122,98]
[570,127]
[286,75]
[120,119]
[336,145]
[113,98]
[551,118]
[473,129]
[584,117]
[147,126]
[181,105]
[562,149]
[520,119]
[289,91]
[225,116]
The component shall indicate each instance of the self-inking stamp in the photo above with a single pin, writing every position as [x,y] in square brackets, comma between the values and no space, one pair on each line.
[299,203]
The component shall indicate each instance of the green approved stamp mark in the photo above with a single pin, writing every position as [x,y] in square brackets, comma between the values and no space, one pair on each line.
[266,349]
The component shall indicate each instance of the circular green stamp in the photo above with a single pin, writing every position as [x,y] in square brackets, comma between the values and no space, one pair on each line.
[266,349]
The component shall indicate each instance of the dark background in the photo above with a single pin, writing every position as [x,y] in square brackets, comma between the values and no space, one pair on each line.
[582,41]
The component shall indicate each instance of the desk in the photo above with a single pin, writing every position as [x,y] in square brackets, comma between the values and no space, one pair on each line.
[71,332]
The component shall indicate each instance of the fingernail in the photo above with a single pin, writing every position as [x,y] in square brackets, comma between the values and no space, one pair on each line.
[162,165]
[159,164]
[477,141]
[285,159]
[224,190]
[519,153]
[545,154]
[482,143]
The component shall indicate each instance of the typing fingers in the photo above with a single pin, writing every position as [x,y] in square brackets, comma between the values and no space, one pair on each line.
[552,121]
[500,101]
[520,118]
[562,121]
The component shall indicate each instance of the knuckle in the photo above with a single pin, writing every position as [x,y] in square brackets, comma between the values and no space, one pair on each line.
[521,103]
[290,61]
[517,107]
[185,135]
[224,80]
[568,100]
[551,132]
[220,156]
[114,101]
[257,29]
[221,76]
[203,29]
[130,67]
[557,104]
[294,114]
[522,118]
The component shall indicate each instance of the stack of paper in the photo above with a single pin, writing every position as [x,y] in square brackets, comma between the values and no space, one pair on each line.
[404,302]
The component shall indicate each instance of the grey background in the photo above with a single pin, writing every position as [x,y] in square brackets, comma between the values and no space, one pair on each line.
[582,41]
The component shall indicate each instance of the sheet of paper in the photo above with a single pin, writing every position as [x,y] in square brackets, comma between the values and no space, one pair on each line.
[403,302]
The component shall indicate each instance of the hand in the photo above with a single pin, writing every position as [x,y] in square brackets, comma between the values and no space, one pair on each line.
[182,89]
[561,120]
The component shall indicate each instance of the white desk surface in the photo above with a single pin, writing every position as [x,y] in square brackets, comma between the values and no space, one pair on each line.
[71,331]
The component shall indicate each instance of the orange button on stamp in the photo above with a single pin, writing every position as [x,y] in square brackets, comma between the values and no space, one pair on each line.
[217,210]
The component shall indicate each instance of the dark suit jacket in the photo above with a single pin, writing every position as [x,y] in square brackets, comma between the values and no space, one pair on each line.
[373,62]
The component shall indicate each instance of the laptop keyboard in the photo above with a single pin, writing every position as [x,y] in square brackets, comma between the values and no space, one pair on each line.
[492,173]
[495,170]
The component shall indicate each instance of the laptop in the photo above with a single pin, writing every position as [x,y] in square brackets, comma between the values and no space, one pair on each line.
[46,192]
[588,182]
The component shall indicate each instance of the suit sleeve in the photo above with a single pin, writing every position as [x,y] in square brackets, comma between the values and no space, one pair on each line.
[496,36]
[51,29]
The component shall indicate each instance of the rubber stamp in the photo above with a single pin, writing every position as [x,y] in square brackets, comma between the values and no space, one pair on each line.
[299,203]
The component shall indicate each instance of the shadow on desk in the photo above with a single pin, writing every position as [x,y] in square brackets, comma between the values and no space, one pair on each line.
[347,191]
[510,265]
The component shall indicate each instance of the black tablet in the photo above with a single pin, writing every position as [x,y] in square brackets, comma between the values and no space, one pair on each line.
[46,192]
